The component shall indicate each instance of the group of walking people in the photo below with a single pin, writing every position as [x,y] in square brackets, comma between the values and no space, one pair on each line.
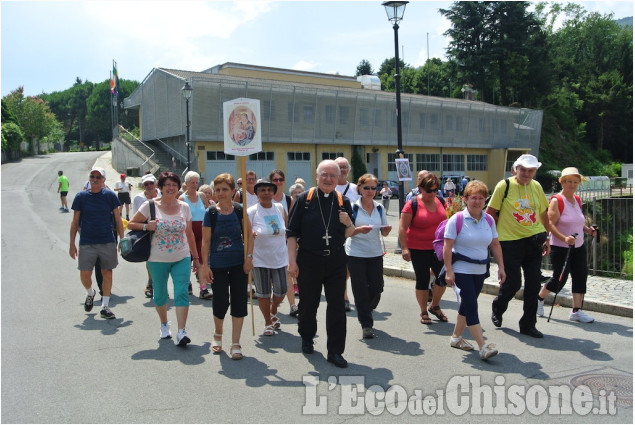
[314,239]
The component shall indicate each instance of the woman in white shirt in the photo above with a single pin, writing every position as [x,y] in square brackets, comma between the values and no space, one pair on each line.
[270,256]
[365,252]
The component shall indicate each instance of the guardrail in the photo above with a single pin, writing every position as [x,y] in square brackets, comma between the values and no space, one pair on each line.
[154,167]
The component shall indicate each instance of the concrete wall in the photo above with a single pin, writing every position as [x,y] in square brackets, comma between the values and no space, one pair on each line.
[123,157]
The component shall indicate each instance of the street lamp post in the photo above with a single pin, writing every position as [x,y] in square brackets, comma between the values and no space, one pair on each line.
[395,10]
[187,93]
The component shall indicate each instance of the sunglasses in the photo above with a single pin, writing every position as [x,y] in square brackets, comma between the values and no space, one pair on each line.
[369,187]
[148,183]
[95,177]
[430,190]
[277,180]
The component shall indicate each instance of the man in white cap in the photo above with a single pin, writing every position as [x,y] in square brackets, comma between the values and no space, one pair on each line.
[519,206]
[93,212]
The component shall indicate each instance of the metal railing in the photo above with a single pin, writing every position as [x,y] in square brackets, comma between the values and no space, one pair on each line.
[149,161]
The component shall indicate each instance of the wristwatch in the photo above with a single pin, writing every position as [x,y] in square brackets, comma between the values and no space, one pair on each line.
[145,226]
[250,255]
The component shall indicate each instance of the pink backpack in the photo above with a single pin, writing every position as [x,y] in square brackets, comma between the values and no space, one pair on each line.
[439,240]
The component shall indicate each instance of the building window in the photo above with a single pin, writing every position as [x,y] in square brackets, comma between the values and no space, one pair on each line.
[453,162]
[293,112]
[434,121]
[393,156]
[477,163]
[268,112]
[262,156]
[511,158]
[344,110]
[377,117]
[422,121]
[329,113]
[298,156]
[364,117]
[448,122]
[428,161]
[219,156]
[307,113]
[331,155]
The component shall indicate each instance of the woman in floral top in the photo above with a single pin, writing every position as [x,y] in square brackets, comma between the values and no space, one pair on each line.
[172,244]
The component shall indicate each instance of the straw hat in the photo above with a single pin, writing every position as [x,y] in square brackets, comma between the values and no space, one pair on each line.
[571,171]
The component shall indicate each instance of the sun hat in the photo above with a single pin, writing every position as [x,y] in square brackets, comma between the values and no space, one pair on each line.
[100,170]
[265,182]
[148,178]
[527,161]
[571,171]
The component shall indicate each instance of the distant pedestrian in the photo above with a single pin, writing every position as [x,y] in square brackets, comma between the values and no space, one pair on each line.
[386,194]
[449,188]
[92,219]
[62,189]
[123,189]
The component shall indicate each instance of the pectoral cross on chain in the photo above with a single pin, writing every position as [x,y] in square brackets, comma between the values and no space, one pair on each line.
[326,237]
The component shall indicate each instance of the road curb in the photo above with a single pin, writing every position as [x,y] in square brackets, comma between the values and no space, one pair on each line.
[563,300]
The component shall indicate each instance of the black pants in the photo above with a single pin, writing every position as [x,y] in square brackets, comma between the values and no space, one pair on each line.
[229,288]
[525,254]
[577,267]
[316,271]
[367,281]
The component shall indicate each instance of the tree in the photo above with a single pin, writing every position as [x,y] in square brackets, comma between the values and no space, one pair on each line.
[12,137]
[364,68]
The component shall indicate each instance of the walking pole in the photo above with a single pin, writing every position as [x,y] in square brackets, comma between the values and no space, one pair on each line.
[597,233]
[564,267]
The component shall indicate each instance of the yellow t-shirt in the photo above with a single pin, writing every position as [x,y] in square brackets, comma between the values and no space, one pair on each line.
[519,215]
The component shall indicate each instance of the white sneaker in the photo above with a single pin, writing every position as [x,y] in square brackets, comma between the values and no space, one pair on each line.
[541,308]
[580,316]
[488,350]
[165,331]
[181,338]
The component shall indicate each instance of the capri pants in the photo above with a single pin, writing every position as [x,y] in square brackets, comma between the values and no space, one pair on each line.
[422,261]
[470,286]
[160,272]
[229,288]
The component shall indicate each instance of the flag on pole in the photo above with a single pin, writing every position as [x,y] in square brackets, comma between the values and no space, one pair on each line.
[114,79]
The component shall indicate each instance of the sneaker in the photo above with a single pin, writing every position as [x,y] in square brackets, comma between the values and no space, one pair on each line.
[294,311]
[66,210]
[488,350]
[461,344]
[580,316]
[347,305]
[62,208]
[107,314]
[182,339]
[367,333]
[88,303]
[165,331]
[541,308]
[205,294]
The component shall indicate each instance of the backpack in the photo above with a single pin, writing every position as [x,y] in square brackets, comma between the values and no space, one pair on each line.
[213,215]
[414,204]
[356,208]
[561,201]
[504,196]
[309,196]
[439,240]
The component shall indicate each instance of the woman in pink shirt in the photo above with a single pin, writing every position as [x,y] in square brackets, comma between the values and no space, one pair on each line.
[566,219]
[416,233]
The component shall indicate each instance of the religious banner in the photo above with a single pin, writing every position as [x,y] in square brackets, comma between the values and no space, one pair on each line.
[241,118]
[403,169]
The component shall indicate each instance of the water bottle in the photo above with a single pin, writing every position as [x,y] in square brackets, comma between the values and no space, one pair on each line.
[125,245]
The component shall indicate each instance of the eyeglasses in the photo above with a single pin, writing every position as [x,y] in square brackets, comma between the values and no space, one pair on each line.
[327,176]
[369,187]
[251,179]
[277,180]
[95,177]
[240,183]
[430,190]
[148,184]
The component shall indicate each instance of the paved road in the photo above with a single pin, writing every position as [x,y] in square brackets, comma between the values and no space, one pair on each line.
[60,364]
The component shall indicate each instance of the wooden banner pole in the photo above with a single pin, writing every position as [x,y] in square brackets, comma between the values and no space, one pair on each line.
[243,174]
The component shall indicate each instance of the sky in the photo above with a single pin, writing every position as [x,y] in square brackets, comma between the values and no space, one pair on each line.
[46,45]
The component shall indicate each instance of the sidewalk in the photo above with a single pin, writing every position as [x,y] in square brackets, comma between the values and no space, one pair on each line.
[605,295]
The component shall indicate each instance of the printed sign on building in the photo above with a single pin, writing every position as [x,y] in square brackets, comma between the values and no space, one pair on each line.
[241,118]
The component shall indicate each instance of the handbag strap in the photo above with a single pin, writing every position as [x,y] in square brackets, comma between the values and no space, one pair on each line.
[152,211]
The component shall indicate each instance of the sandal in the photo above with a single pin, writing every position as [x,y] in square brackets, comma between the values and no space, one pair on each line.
[425,319]
[461,344]
[235,351]
[269,330]
[148,291]
[275,321]
[438,313]
[217,342]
